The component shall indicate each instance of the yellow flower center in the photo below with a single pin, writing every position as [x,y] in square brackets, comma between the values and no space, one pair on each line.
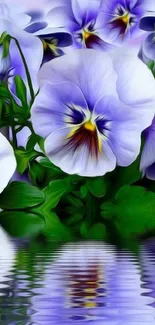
[90,126]
[86,34]
[125,18]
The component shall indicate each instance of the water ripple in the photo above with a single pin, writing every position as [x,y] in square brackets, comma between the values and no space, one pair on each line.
[83,283]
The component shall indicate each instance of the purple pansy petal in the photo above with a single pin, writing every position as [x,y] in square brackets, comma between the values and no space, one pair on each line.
[121,129]
[147,23]
[59,16]
[148,154]
[22,20]
[79,161]
[50,55]
[22,136]
[62,38]
[92,78]
[85,11]
[125,142]
[150,172]
[14,12]
[35,15]
[58,105]
[35,27]
[148,47]
[133,89]
[96,42]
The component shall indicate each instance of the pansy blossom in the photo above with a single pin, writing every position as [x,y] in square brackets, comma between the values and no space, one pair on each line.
[88,113]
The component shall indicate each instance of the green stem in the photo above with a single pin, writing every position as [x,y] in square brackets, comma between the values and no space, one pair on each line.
[14,139]
[26,70]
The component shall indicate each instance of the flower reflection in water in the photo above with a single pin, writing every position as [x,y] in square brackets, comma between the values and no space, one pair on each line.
[92,283]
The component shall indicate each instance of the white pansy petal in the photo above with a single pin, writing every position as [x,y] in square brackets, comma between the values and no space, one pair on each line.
[91,70]
[78,161]
[135,82]
[7,162]
[57,105]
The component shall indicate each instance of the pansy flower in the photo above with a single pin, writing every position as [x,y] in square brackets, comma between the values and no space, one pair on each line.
[81,19]
[121,18]
[54,40]
[91,110]
[96,23]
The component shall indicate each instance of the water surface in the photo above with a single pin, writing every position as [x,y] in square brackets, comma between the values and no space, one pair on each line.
[80,283]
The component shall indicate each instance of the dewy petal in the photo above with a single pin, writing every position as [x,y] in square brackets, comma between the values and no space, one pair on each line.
[122,131]
[136,86]
[79,161]
[31,48]
[90,70]
[7,162]
[50,110]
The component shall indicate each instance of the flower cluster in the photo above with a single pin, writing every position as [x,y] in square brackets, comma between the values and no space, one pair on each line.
[77,86]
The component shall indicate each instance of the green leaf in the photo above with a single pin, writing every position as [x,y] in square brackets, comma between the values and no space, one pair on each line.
[84,229]
[6,46]
[75,218]
[45,162]
[21,223]
[97,186]
[21,91]
[75,202]
[21,195]
[23,158]
[134,210]
[83,191]
[33,140]
[36,172]
[97,232]
[55,229]
[127,175]
[53,193]
[2,37]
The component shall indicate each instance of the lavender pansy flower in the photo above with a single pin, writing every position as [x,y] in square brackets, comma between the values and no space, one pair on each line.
[80,17]
[91,110]
[147,165]
[7,162]
[53,39]
[121,19]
